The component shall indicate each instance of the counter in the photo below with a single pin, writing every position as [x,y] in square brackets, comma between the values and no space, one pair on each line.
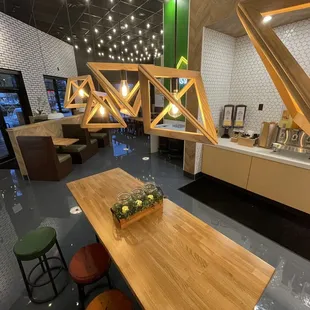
[282,176]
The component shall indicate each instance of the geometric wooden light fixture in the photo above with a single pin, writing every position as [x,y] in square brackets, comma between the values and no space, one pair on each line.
[100,102]
[149,74]
[123,101]
[291,81]
[74,90]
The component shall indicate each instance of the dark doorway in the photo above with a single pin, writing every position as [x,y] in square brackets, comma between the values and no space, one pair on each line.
[14,109]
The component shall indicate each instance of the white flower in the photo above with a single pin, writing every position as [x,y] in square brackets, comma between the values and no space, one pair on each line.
[138,203]
[150,197]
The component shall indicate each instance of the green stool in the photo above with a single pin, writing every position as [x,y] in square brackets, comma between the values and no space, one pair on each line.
[35,245]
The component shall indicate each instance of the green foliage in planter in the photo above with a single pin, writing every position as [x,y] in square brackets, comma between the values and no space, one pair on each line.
[133,206]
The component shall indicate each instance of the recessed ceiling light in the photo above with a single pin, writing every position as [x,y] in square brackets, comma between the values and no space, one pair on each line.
[267,19]
[101,41]
[96,30]
[148,26]
[85,40]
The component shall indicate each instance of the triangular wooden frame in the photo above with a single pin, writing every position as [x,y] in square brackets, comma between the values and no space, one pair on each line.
[112,92]
[95,101]
[70,97]
[291,81]
[149,74]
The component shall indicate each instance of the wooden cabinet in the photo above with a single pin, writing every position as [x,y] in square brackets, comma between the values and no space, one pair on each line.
[280,182]
[228,166]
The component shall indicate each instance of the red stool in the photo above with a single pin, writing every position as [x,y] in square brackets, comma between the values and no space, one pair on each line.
[111,300]
[90,264]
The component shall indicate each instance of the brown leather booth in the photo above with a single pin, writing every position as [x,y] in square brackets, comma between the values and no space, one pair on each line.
[82,150]
[41,160]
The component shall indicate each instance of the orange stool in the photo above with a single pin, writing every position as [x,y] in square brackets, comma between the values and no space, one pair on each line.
[90,264]
[110,300]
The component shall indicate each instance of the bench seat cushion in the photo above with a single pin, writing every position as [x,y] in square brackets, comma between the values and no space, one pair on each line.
[74,148]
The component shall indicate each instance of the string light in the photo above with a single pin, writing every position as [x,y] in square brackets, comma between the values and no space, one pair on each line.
[135,46]
[98,45]
[126,50]
[148,26]
[140,41]
[110,49]
[110,37]
[128,37]
[123,42]
[110,17]
[114,30]
[85,40]
[68,39]
[126,26]
[153,36]
[115,46]
[140,32]
[132,17]
[101,41]
[96,30]
[161,31]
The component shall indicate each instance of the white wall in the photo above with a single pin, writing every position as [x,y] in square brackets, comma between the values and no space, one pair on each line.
[216,71]
[251,83]
[34,53]
[233,73]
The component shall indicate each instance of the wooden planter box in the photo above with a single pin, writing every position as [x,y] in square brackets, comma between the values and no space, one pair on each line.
[123,223]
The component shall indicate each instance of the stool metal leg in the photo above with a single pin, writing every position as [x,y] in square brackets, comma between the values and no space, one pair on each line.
[81,295]
[61,255]
[21,267]
[41,263]
[109,281]
[50,274]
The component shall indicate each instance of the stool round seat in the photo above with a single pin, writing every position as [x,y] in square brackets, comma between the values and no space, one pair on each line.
[89,264]
[110,300]
[35,243]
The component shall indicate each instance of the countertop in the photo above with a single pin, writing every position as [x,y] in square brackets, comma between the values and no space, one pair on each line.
[284,157]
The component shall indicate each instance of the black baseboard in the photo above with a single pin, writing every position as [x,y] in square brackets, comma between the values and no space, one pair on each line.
[193,176]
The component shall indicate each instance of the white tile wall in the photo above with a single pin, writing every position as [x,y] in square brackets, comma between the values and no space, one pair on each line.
[34,53]
[216,71]
[251,83]
[233,73]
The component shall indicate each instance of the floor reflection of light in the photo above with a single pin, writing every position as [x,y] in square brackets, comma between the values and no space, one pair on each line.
[145,158]
[75,210]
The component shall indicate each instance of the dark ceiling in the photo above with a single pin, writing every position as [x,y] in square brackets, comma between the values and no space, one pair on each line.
[97,26]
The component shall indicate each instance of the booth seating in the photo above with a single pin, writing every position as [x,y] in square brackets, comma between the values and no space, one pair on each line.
[112,299]
[41,160]
[90,264]
[84,149]
[101,137]
[34,246]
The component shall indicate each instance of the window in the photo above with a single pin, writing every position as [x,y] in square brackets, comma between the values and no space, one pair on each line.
[56,89]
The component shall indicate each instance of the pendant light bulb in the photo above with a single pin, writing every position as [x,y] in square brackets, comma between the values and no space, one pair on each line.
[124,88]
[81,93]
[174,111]
[102,110]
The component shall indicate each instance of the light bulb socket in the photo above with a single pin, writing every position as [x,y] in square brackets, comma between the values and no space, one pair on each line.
[174,85]
[123,75]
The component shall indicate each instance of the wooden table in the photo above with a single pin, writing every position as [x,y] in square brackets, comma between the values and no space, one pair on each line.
[63,141]
[172,260]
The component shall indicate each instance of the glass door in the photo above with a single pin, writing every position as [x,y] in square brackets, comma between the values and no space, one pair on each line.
[14,107]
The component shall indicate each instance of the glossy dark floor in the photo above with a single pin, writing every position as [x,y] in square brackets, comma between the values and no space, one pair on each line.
[28,205]
[287,227]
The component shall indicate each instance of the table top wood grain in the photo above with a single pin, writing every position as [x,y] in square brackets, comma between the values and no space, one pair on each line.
[63,141]
[171,260]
